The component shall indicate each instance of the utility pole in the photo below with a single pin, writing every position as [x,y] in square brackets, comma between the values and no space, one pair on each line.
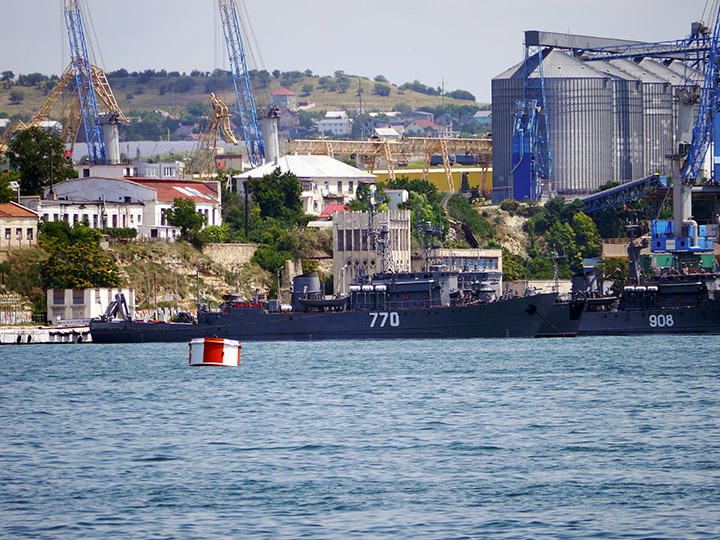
[360,109]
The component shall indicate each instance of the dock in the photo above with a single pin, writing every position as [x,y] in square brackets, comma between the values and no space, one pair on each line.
[23,335]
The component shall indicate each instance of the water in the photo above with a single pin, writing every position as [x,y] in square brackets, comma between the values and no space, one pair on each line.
[527,439]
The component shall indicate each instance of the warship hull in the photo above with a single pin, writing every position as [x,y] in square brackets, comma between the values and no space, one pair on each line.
[514,318]
[703,319]
[564,319]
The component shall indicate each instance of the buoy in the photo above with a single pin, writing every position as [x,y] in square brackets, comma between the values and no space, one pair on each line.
[214,352]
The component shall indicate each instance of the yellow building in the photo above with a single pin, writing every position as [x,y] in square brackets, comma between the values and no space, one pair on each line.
[18,226]
[478,177]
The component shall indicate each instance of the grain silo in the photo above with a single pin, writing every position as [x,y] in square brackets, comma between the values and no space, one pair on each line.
[657,116]
[627,135]
[580,117]
[610,116]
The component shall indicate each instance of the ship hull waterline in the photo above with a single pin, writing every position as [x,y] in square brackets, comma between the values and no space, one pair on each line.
[515,318]
[704,319]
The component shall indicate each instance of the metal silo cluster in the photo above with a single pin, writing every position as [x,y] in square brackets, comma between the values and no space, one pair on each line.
[608,120]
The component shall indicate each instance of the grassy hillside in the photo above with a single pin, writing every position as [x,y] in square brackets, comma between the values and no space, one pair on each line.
[173,92]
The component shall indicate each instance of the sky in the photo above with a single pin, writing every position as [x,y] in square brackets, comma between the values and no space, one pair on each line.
[460,44]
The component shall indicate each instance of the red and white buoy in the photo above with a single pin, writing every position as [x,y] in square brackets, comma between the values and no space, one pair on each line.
[214,352]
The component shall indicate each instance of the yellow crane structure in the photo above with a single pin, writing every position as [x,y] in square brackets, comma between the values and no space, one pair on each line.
[70,111]
[394,150]
[203,162]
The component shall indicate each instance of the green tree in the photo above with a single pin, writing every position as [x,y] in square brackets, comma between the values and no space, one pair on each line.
[38,157]
[587,237]
[76,259]
[16,96]
[184,215]
[7,194]
[7,77]
[306,89]
[380,89]
[278,196]
[513,266]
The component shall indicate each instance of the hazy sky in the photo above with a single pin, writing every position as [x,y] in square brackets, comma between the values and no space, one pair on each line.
[463,42]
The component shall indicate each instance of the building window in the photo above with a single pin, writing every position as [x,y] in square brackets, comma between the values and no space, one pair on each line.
[8,233]
[18,233]
[30,234]
[86,173]
[348,240]
[356,239]
[58,296]
[341,240]
[339,187]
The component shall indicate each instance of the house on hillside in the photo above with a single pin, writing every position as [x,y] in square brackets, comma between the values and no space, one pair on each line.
[483,118]
[335,123]
[283,98]
[324,180]
[18,226]
[421,128]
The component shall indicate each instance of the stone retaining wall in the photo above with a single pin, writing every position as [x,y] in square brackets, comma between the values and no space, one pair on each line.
[230,255]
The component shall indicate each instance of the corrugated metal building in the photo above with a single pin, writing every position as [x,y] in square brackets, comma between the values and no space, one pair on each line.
[608,120]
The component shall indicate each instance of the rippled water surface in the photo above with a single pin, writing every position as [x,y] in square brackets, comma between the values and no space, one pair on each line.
[577,438]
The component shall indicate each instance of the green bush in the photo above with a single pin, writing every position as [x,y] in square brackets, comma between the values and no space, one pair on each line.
[120,232]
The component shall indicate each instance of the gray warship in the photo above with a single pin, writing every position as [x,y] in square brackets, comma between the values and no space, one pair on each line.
[413,305]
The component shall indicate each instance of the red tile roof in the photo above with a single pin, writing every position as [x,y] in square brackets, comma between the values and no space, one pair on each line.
[423,123]
[11,209]
[168,190]
[283,91]
[330,209]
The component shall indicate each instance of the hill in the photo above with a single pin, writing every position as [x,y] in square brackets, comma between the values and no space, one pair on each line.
[179,93]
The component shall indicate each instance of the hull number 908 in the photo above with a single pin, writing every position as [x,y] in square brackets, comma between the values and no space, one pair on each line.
[661,321]
[384,318]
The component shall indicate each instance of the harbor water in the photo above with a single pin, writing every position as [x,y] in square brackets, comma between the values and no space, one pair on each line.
[437,439]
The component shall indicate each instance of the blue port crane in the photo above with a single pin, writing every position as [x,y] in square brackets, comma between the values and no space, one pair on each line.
[707,123]
[252,134]
[531,154]
[84,82]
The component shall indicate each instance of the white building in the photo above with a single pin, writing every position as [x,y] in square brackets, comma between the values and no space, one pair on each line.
[163,169]
[106,171]
[137,203]
[324,180]
[335,123]
[78,306]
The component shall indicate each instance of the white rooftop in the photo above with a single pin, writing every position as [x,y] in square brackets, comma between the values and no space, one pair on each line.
[310,167]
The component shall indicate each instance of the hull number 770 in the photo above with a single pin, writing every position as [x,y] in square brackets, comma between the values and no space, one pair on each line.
[384,318]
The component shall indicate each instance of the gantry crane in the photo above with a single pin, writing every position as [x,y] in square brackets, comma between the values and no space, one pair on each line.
[252,134]
[219,124]
[90,82]
[393,149]
[84,81]
[70,111]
